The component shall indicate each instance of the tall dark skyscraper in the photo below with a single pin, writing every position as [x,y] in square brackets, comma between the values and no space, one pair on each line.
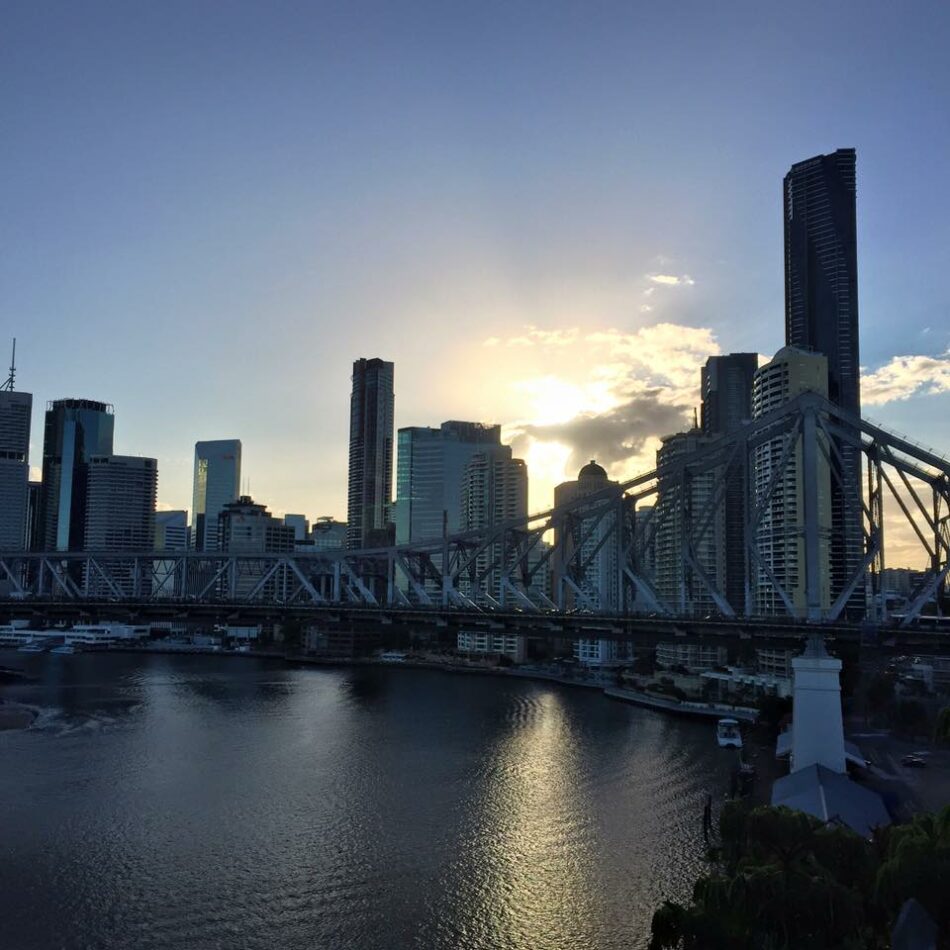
[75,431]
[821,314]
[369,497]
[727,403]
[15,409]
[727,392]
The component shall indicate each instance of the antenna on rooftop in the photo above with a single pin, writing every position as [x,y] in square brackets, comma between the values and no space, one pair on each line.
[8,385]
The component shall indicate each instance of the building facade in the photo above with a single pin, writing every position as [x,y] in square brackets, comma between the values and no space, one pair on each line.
[217,482]
[780,530]
[494,490]
[171,530]
[821,315]
[75,431]
[370,486]
[682,506]
[726,406]
[430,466]
[120,505]
[15,411]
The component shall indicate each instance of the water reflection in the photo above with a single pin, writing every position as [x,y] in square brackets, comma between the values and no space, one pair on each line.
[236,803]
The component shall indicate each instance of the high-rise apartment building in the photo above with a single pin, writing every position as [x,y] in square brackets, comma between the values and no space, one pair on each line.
[494,490]
[75,431]
[370,488]
[217,483]
[780,531]
[821,315]
[726,405]
[591,541]
[120,503]
[684,535]
[430,466]
[15,410]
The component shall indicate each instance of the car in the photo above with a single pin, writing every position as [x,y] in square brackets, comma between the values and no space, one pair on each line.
[914,761]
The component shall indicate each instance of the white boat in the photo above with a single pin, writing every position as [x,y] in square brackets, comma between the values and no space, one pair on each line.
[32,648]
[64,648]
[728,734]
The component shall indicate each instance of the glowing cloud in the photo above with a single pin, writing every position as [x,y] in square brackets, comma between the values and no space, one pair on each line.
[906,376]
[671,280]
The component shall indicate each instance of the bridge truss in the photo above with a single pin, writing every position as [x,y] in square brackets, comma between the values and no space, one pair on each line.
[654,544]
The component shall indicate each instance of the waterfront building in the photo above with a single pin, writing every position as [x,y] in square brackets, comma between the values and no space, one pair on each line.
[821,315]
[120,505]
[779,533]
[369,495]
[75,431]
[693,657]
[678,507]
[726,405]
[328,534]
[494,490]
[15,412]
[217,482]
[120,516]
[590,539]
[246,527]
[482,644]
[430,466]
[171,536]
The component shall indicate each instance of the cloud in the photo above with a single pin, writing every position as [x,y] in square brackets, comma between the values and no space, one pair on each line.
[906,376]
[533,336]
[671,280]
[612,437]
[637,387]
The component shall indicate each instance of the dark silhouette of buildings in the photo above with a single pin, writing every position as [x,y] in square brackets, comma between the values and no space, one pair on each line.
[727,404]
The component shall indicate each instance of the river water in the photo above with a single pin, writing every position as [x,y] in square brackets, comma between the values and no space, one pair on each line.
[228,802]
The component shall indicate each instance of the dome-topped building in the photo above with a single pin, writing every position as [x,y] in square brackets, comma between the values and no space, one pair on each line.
[592,472]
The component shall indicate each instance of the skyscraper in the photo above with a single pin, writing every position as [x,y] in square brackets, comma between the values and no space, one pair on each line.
[75,431]
[821,314]
[821,268]
[494,490]
[727,392]
[15,410]
[727,404]
[120,503]
[780,530]
[430,466]
[370,489]
[593,542]
[217,483]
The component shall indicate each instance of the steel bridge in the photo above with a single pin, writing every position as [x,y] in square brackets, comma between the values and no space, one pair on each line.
[649,547]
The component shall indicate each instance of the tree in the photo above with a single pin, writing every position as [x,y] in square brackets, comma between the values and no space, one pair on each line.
[785,881]
[880,694]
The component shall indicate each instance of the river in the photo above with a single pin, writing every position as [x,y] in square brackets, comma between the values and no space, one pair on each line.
[227,802]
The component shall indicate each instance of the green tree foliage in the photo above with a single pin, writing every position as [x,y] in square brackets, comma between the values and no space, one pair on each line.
[787,881]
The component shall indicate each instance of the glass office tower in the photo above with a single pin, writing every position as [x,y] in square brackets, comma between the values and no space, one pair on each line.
[75,430]
[217,483]
[821,315]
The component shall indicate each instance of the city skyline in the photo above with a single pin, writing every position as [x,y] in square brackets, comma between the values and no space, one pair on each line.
[492,239]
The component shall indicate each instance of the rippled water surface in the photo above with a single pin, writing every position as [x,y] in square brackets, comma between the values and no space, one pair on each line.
[216,802]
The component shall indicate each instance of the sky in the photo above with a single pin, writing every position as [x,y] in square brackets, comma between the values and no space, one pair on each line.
[548,215]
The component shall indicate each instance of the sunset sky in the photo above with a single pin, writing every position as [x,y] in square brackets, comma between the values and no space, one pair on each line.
[546,214]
